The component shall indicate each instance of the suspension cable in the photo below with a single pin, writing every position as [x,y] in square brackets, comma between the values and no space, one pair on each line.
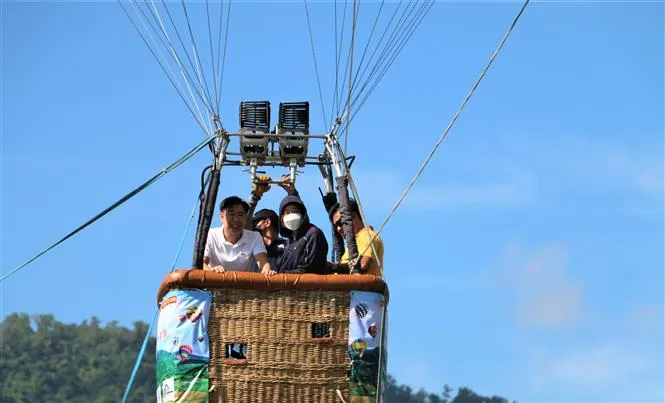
[334,100]
[212,59]
[174,54]
[171,51]
[226,36]
[139,358]
[316,67]
[369,40]
[351,51]
[197,58]
[190,65]
[396,30]
[204,97]
[402,31]
[450,125]
[219,44]
[376,48]
[200,122]
[144,19]
[401,42]
[107,210]
[407,23]
[144,346]
[338,98]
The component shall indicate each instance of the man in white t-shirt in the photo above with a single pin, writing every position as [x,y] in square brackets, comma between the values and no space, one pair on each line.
[231,247]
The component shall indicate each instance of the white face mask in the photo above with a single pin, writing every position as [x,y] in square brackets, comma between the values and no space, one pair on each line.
[292,221]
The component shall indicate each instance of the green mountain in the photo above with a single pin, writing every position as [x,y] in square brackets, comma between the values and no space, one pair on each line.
[44,360]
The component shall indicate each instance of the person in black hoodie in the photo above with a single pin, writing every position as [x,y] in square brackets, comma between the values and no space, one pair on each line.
[306,246]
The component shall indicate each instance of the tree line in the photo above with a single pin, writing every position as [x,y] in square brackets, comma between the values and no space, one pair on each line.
[43,359]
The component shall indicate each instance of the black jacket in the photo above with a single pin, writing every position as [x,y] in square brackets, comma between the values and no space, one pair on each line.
[275,250]
[306,248]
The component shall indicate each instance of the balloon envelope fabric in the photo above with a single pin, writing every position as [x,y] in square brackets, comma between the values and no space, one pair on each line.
[183,349]
[366,343]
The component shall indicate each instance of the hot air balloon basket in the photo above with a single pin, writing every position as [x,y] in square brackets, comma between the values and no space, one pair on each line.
[281,346]
[243,337]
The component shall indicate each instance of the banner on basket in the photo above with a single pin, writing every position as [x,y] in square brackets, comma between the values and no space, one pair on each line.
[183,348]
[366,344]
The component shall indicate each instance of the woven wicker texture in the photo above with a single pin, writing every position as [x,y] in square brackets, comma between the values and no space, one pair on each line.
[284,363]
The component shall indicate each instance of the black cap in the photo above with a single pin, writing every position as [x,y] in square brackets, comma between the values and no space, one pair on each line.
[232,201]
[265,213]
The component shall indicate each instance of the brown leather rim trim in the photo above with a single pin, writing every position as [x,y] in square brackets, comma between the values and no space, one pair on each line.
[205,279]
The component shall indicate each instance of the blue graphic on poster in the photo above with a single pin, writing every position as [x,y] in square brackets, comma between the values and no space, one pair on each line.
[183,349]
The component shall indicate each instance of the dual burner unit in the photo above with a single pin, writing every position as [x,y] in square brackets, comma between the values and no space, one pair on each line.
[291,134]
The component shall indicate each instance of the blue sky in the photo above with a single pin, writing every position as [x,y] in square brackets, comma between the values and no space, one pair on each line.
[526,262]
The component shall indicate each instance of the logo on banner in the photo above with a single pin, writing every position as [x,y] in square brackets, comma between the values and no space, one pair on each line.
[168,389]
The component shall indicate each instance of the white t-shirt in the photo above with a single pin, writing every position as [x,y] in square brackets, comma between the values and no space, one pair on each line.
[234,257]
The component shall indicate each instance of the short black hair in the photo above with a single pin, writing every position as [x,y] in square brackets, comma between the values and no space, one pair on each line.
[264,214]
[353,206]
[233,201]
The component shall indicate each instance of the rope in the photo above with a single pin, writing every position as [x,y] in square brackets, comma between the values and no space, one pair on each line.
[334,100]
[144,346]
[226,36]
[396,31]
[144,19]
[128,196]
[164,69]
[197,58]
[405,27]
[351,50]
[212,59]
[379,378]
[139,359]
[338,58]
[361,75]
[450,125]
[219,46]
[369,40]
[203,96]
[187,59]
[316,67]
[396,46]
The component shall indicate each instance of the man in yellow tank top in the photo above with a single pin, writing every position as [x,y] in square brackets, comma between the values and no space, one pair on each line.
[371,258]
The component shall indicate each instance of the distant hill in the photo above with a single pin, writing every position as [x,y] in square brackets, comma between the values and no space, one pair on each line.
[44,360]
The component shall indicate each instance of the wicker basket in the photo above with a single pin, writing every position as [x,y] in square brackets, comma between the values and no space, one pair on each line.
[285,359]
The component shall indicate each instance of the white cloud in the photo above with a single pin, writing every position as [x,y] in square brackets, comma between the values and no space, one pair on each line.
[384,187]
[590,365]
[622,168]
[592,164]
[601,370]
[648,319]
[559,306]
[509,192]
[529,170]
[650,180]
[561,350]
[546,295]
